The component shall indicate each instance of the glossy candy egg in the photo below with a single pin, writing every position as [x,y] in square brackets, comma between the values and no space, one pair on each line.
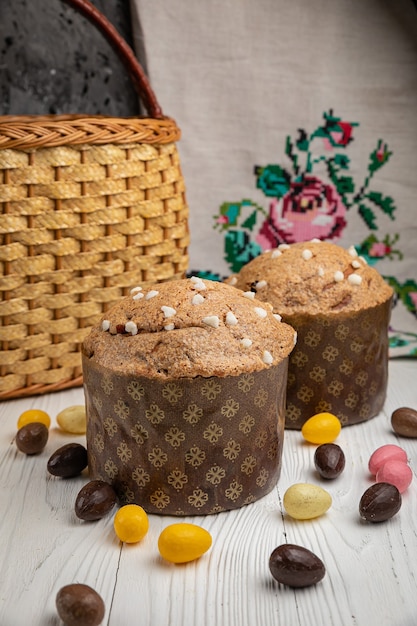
[329,460]
[295,566]
[379,502]
[183,542]
[306,501]
[384,454]
[396,473]
[321,428]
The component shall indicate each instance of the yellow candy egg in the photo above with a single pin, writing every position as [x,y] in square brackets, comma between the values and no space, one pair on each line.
[321,428]
[73,419]
[131,523]
[33,415]
[306,501]
[181,543]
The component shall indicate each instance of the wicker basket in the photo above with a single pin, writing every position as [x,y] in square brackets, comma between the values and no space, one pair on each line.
[91,206]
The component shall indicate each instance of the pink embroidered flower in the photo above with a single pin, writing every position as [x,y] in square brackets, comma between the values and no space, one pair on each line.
[340,137]
[379,249]
[310,209]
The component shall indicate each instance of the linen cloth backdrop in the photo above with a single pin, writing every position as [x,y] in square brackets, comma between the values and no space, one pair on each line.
[298,121]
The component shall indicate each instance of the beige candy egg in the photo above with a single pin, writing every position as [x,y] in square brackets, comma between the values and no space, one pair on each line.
[73,419]
[306,501]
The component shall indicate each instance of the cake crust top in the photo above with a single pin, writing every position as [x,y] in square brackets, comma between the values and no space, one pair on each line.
[313,278]
[188,328]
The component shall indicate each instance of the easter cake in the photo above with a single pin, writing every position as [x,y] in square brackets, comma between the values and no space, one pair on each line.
[340,308]
[185,396]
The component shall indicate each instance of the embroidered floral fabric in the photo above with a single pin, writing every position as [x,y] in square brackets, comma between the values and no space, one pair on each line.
[288,136]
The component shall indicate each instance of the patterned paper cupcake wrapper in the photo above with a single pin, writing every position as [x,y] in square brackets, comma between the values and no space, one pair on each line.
[339,366]
[190,446]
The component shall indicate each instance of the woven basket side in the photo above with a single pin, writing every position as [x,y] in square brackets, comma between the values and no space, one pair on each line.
[81,225]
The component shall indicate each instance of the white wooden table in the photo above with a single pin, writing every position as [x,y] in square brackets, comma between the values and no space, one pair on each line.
[371,569]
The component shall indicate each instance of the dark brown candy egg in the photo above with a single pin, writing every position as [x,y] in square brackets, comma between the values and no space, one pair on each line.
[380,502]
[32,438]
[329,460]
[295,566]
[68,461]
[95,500]
[404,422]
[80,605]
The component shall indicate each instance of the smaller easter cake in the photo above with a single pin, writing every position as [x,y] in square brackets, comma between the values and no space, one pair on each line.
[340,308]
[185,394]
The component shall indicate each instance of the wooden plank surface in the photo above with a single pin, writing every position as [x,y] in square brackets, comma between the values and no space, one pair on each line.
[371,577]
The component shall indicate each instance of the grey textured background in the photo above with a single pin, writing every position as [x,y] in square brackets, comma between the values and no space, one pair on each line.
[53,61]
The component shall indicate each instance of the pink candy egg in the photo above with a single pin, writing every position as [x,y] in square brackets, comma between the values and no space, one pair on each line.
[396,473]
[384,454]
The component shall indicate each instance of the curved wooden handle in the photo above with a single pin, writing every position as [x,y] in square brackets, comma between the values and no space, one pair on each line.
[125,53]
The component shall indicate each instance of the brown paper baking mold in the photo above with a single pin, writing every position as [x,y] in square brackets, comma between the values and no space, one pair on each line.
[189,446]
[339,365]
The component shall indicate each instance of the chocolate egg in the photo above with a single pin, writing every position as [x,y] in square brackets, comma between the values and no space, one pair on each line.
[379,502]
[32,438]
[295,566]
[95,500]
[68,461]
[80,605]
[404,422]
[329,460]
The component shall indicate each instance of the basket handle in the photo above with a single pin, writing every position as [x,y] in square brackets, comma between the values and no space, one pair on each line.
[125,53]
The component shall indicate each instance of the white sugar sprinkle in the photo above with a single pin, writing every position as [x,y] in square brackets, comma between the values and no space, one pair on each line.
[197,283]
[197,299]
[138,295]
[320,272]
[338,276]
[307,254]
[277,317]
[233,280]
[168,311]
[363,260]
[246,342]
[249,294]
[169,327]
[260,311]
[276,253]
[135,289]
[231,319]
[355,264]
[352,251]
[260,284]
[315,240]
[283,246]
[267,357]
[354,279]
[130,327]
[211,320]
[105,325]
[151,294]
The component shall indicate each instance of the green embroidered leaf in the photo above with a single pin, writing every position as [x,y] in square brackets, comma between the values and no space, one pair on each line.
[342,161]
[250,222]
[239,249]
[386,203]
[344,184]
[395,341]
[302,142]
[368,216]
[273,180]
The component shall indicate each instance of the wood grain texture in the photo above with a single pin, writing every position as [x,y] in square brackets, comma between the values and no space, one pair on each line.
[371,577]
